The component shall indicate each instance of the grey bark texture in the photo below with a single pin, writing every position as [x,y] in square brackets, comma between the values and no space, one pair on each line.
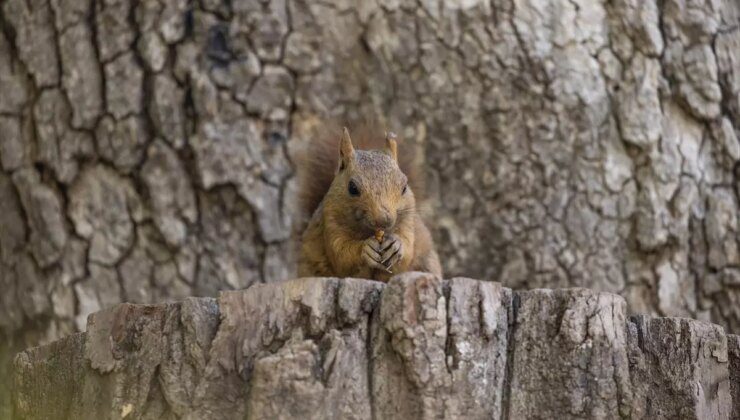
[416,348]
[145,150]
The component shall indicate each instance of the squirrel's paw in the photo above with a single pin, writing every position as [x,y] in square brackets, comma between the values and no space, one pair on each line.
[392,251]
[371,254]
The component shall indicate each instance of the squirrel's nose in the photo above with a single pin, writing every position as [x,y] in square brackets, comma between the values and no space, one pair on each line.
[385,220]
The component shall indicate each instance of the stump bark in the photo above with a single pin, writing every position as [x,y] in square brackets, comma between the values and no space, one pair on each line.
[416,348]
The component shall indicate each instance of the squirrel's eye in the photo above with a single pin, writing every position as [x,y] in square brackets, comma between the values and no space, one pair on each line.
[405,188]
[353,190]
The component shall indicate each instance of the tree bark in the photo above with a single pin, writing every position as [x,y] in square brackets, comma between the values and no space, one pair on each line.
[145,147]
[416,348]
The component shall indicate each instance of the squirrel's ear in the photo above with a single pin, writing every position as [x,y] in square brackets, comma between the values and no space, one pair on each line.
[346,150]
[391,145]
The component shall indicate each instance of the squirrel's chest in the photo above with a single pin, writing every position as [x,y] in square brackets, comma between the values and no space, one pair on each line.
[364,272]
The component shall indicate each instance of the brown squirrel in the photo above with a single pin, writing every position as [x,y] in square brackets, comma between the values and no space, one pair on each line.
[364,219]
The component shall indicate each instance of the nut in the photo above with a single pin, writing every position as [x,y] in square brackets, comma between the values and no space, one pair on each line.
[379,235]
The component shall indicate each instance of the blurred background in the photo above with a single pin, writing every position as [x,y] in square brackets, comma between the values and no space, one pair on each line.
[145,146]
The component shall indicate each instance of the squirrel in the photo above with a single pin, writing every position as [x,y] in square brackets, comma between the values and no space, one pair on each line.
[364,221]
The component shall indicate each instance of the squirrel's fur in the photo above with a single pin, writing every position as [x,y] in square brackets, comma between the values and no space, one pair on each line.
[341,224]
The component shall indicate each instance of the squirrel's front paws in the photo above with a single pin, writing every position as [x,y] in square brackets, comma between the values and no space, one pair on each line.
[382,256]
[392,250]
[372,255]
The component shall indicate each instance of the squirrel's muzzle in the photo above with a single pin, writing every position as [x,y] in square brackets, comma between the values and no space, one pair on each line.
[384,220]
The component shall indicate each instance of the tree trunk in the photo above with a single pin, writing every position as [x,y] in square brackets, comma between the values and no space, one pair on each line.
[145,146]
[418,348]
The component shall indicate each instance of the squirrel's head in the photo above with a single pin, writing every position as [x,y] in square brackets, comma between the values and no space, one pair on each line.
[369,191]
